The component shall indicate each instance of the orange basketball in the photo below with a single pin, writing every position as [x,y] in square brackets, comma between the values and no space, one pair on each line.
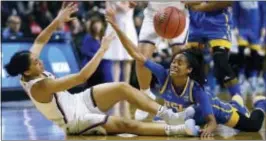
[169,22]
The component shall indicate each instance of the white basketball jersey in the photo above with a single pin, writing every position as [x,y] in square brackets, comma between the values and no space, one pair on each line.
[53,110]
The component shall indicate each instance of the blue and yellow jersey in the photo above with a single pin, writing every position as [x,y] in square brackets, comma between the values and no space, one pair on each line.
[212,28]
[248,19]
[181,98]
[192,94]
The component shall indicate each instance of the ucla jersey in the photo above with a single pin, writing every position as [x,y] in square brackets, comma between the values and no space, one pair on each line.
[193,94]
[212,28]
[173,99]
[225,113]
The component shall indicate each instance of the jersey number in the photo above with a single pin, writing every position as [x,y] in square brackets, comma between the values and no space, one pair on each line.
[174,106]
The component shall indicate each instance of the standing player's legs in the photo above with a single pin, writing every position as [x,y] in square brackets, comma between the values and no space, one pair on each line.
[223,71]
[219,40]
[147,40]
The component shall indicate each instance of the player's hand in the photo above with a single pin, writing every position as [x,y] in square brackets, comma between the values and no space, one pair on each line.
[132,4]
[207,131]
[110,16]
[66,11]
[106,40]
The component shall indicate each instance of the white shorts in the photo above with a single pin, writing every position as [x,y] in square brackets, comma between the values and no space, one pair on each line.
[149,35]
[87,119]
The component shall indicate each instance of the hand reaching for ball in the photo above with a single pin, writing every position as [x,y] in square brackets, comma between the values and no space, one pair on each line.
[110,16]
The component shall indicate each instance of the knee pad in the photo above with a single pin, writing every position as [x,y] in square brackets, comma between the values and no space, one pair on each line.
[223,70]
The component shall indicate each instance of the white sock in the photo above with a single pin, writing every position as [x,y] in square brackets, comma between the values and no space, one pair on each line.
[149,93]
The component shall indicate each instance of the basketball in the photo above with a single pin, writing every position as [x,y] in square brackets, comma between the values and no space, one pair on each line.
[169,22]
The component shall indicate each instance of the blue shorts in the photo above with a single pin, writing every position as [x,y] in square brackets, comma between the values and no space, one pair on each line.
[210,28]
[250,38]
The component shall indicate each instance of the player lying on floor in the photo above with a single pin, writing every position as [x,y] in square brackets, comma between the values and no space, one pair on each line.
[182,86]
[83,113]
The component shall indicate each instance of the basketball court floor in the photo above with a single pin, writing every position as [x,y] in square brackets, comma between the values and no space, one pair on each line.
[21,121]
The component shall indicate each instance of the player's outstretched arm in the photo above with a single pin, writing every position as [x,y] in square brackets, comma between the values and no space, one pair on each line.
[45,35]
[51,86]
[127,43]
[211,6]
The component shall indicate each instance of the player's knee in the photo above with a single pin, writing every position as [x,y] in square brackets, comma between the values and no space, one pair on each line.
[220,57]
[222,67]
[123,86]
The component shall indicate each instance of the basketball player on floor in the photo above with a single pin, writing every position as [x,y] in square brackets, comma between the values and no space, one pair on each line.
[82,113]
[147,40]
[182,86]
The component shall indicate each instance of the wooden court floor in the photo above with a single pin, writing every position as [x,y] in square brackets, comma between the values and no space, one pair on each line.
[21,121]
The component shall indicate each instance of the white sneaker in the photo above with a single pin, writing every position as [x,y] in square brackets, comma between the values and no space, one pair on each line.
[189,129]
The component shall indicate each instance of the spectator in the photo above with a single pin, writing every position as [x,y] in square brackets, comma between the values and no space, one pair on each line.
[90,45]
[13,30]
